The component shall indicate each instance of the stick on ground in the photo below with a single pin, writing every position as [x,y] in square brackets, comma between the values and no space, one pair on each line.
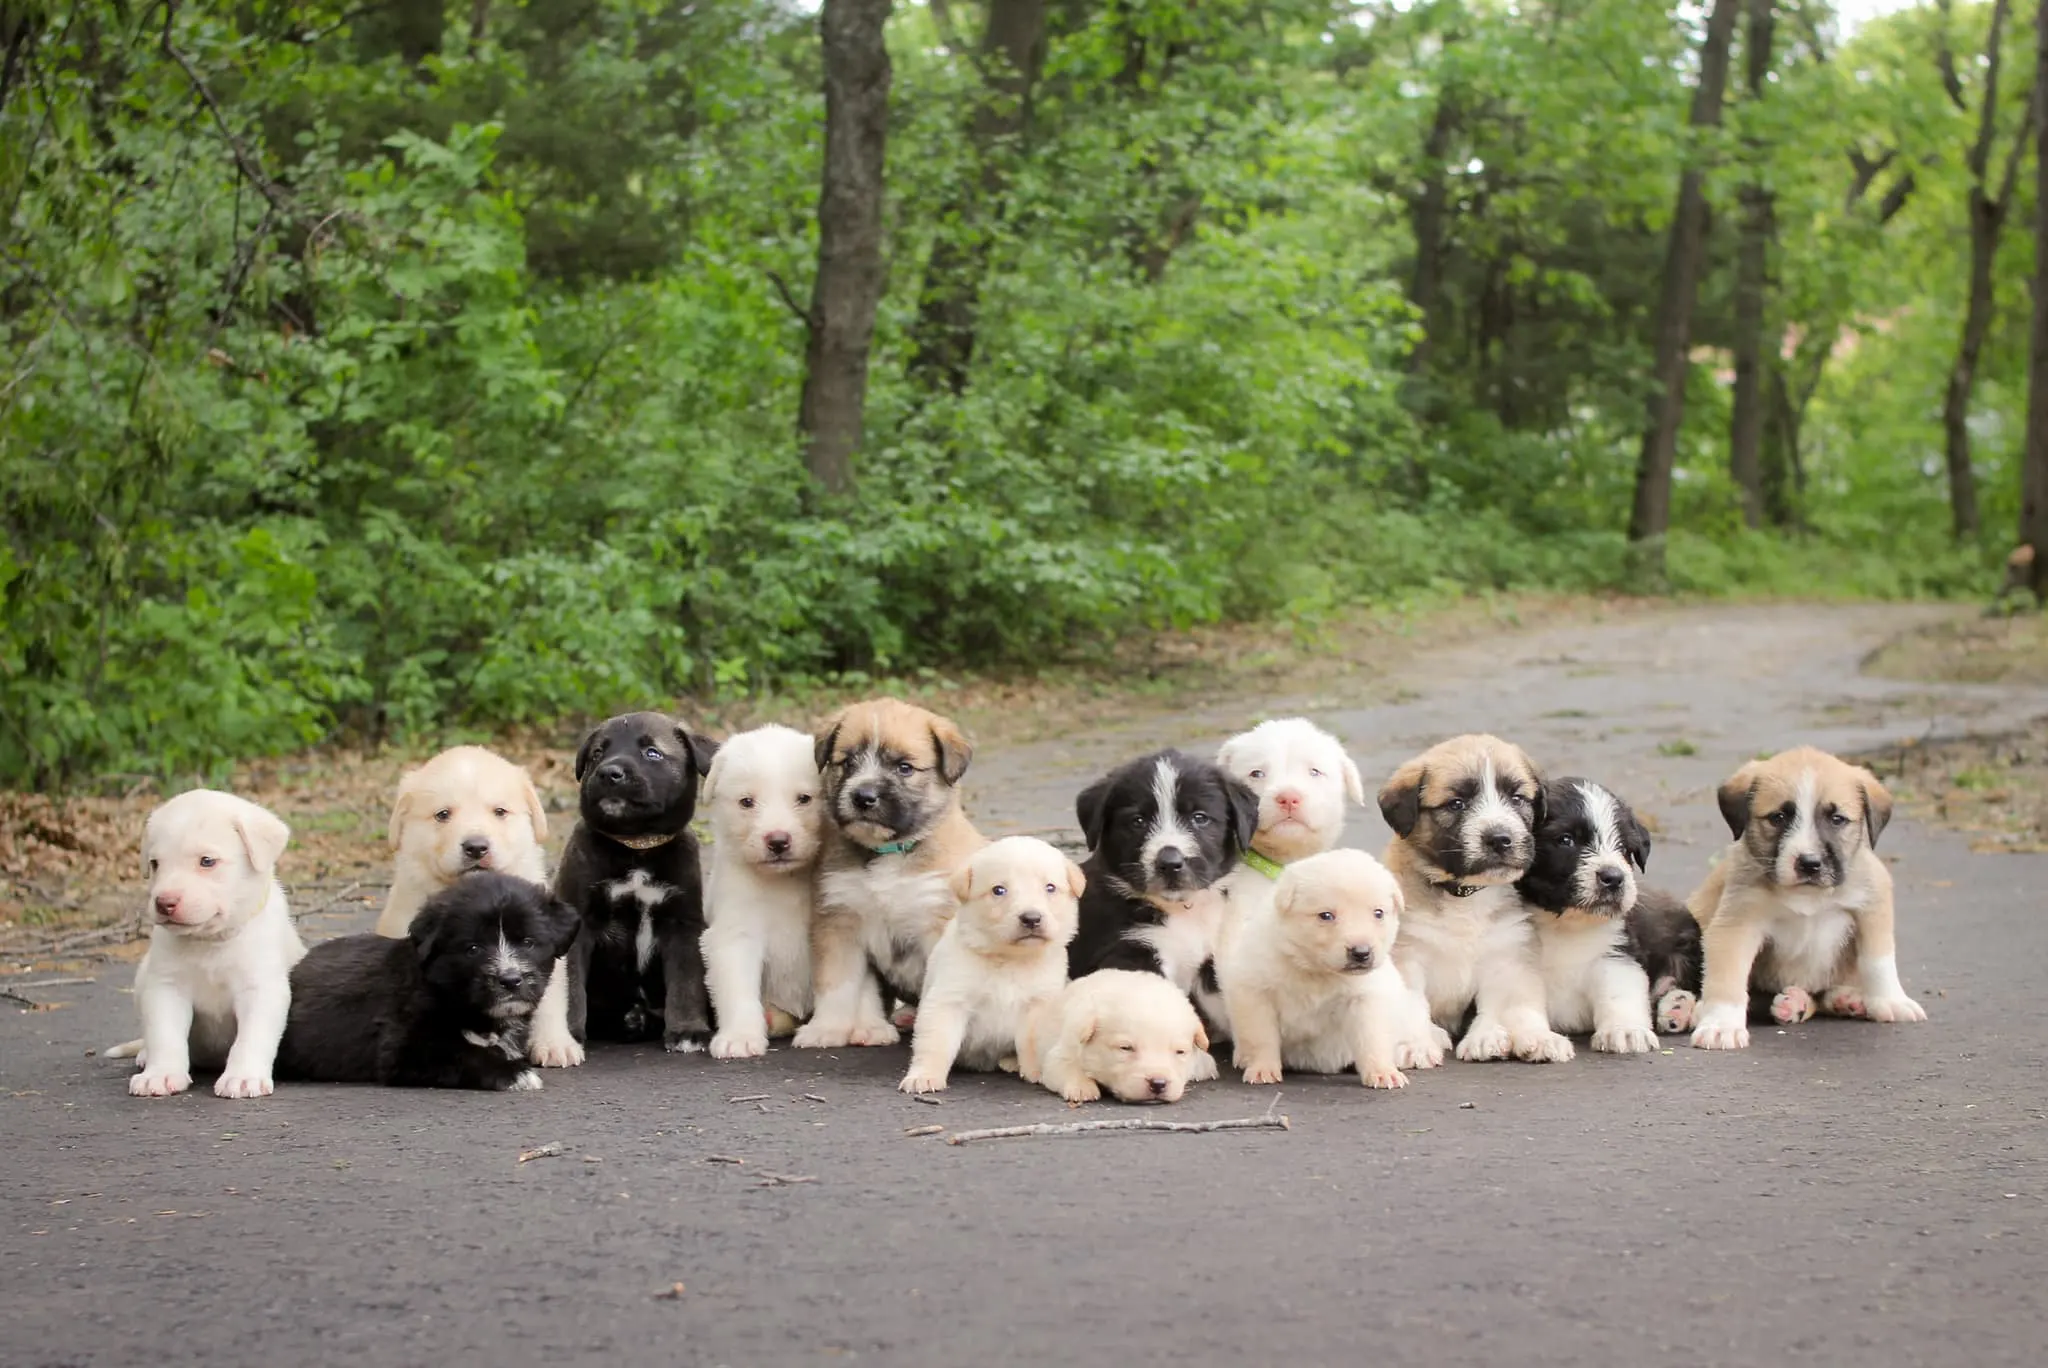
[1130,1124]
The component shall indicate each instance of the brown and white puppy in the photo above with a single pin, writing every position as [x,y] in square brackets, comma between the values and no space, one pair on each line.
[469,809]
[1308,974]
[1001,955]
[1126,1030]
[1464,813]
[1800,906]
[896,837]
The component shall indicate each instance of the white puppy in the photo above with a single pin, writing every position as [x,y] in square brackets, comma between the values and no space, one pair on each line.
[1309,974]
[1003,953]
[1128,1031]
[214,987]
[1304,781]
[762,796]
[464,810]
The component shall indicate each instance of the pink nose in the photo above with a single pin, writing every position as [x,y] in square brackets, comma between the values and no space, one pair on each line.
[1287,800]
[167,904]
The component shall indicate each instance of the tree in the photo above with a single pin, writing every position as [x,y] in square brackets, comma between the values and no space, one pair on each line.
[1752,269]
[2034,470]
[1651,518]
[848,288]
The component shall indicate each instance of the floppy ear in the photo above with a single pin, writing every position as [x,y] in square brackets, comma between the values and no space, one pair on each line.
[1077,882]
[425,934]
[1201,1035]
[1087,1032]
[1877,807]
[1283,896]
[1635,842]
[961,885]
[1735,796]
[1225,753]
[563,925]
[1244,812]
[1401,798]
[585,752]
[827,739]
[702,749]
[1400,900]
[955,750]
[711,778]
[264,836]
[1354,784]
[536,814]
[1091,810]
[401,806]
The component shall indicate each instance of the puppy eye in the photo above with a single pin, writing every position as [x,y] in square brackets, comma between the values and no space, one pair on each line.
[1200,819]
[1314,772]
[905,768]
[501,812]
[444,814]
[653,753]
[473,948]
[802,799]
[1257,774]
[526,942]
[1128,1049]
[152,866]
[1776,819]
[1840,819]
[1051,888]
[1138,820]
[1455,805]
[1565,842]
[1379,914]
[1326,915]
[1000,891]
[746,802]
[208,861]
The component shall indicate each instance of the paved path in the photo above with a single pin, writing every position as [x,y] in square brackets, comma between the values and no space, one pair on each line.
[1840,1193]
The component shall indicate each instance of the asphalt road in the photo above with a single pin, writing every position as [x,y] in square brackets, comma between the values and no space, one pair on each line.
[1841,1192]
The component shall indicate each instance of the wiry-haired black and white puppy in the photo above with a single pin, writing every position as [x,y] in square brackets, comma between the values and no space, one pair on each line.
[447,1007]
[1582,888]
[1161,831]
[631,872]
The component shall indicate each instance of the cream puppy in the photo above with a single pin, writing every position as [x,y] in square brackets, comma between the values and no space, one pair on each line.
[1004,952]
[214,988]
[1309,975]
[464,810]
[1126,1030]
[762,795]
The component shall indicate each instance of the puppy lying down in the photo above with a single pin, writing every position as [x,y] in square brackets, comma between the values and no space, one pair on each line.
[1001,955]
[1125,1030]
[447,1007]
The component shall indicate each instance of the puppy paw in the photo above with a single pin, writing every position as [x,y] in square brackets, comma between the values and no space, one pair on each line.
[152,1084]
[1844,1000]
[555,1053]
[1202,1068]
[1485,1042]
[243,1085]
[922,1081]
[1676,1011]
[874,1033]
[778,1022]
[526,1080]
[1894,1009]
[1262,1073]
[1008,1064]
[1624,1040]
[821,1035]
[1381,1078]
[1722,1028]
[739,1045]
[1546,1048]
[1081,1090]
[1792,1006]
[903,1018]
[692,1041]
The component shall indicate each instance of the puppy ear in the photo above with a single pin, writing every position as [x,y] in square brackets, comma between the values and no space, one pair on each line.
[1244,813]
[1539,807]
[955,750]
[564,925]
[1283,896]
[1735,797]
[1401,798]
[828,739]
[536,814]
[1225,754]
[711,776]
[1087,1032]
[1354,783]
[1077,882]
[1877,807]
[401,808]
[1635,842]
[264,836]
[961,885]
[701,749]
[1201,1035]
[585,752]
[1091,810]
[425,934]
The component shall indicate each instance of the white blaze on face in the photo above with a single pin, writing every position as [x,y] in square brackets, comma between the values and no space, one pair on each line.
[1606,851]
[1489,813]
[1167,828]
[1802,836]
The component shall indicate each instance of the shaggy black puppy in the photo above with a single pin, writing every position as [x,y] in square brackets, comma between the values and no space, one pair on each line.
[447,1007]
[631,871]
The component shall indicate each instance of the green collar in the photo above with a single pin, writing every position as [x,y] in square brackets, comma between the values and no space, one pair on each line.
[895,848]
[1269,868]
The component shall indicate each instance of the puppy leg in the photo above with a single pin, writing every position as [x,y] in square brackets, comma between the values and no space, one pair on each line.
[1621,1008]
[1256,1020]
[1373,1026]
[685,1006]
[1422,1044]
[941,1026]
[260,1011]
[733,962]
[551,1044]
[848,1008]
[1675,1008]
[1877,965]
[1064,1075]
[166,1041]
[1792,1006]
[1730,945]
[1509,1016]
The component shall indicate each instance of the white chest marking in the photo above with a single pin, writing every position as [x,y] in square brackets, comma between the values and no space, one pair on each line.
[649,893]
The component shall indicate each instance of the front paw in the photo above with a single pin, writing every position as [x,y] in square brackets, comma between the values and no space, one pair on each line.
[922,1081]
[1081,1090]
[874,1033]
[243,1085]
[904,1018]
[1722,1027]
[1792,1006]
[778,1022]
[689,1040]
[739,1045]
[1677,1011]
[1381,1077]
[526,1080]
[156,1084]
[1202,1068]
[1624,1040]
[1894,1009]
[821,1035]
[1843,1000]
[1546,1047]
[1265,1071]
[1485,1042]
[555,1052]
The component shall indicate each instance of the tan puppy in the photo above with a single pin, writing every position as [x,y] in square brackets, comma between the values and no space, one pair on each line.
[998,958]
[1464,813]
[1800,906]
[464,810]
[1128,1031]
[896,838]
[1309,974]
[214,987]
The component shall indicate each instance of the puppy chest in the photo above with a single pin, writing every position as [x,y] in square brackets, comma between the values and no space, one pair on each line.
[1808,952]
[636,901]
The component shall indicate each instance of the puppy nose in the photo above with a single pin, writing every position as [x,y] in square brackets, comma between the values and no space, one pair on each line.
[511,978]
[168,903]
[1806,866]
[867,796]
[1030,921]
[1157,1085]
[1358,956]
[1287,800]
[1499,842]
[612,774]
[1612,878]
[475,847]
[777,842]
[1169,859]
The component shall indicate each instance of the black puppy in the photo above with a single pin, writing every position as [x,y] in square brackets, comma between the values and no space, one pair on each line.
[1161,830]
[447,1007]
[631,872]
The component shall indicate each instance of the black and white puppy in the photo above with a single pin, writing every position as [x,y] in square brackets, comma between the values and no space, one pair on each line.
[631,872]
[447,1007]
[1161,831]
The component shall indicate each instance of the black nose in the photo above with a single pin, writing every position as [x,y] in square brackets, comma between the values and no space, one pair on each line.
[1611,878]
[510,978]
[1157,1085]
[1169,859]
[1806,866]
[777,843]
[1030,921]
[476,847]
[867,796]
[1499,842]
[613,774]
[1359,956]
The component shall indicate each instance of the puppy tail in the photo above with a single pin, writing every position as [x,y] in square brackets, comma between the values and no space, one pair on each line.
[127,1049]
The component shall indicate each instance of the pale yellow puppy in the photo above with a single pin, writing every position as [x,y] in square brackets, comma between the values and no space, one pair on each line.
[1003,953]
[1130,1032]
[1309,977]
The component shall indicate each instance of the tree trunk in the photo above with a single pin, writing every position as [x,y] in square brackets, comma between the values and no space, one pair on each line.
[1012,51]
[849,283]
[1651,517]
[1752,269]
[2034,467]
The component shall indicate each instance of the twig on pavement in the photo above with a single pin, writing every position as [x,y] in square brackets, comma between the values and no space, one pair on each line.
[1132,1124]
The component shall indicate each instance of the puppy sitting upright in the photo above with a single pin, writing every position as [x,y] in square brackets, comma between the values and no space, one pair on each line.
[1303,780]
[763,793]
[1309,973]
[1582,885]
[1800,906]
[631,872]
[1000,956]
[1463,813]
[884,895]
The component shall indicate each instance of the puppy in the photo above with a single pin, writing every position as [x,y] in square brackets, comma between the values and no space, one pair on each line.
[763,796]
[214,985]
[1309,975]
[1000,956]
[447,1007]
[1665,940]
[1800,906]
[1463,814]
[897,836]
[1129,1031]
[465,810]
[1581,887]
[1303,780]
[630,870]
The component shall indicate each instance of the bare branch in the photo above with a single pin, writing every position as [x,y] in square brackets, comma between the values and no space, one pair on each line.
[1895,198]
[1945,60]
[2020,137]
[1133,1124]
[803,315]
[1987,110]
[1867,170]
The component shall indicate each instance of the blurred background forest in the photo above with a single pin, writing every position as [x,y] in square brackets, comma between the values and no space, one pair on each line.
[366,368]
